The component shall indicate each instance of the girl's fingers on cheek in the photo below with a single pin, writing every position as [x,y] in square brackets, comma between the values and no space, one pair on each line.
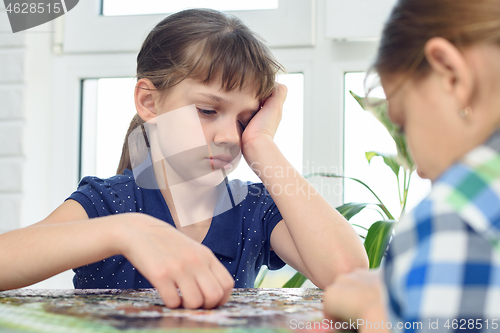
[169,294]
[192,297]
[279,93]
[283,90]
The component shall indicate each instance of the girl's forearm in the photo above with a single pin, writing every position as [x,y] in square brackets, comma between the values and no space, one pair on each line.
[326,242]
[37,252]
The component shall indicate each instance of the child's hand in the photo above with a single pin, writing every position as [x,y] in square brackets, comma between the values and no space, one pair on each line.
[171,260]
[266,120]
[357,295]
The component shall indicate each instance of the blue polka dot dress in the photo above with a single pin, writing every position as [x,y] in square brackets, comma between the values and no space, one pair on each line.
[239,237]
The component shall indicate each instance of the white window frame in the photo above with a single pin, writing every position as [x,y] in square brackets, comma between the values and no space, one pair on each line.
[70,70]
[291,25]
[357,20]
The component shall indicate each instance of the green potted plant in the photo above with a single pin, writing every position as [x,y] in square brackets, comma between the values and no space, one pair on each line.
[379,233]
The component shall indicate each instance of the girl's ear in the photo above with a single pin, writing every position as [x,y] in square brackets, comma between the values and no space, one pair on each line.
[145,95]
[452,69]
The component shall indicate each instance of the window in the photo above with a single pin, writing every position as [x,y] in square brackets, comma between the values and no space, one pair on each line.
[131,7]
[108,108]
[290,24]
[364,133]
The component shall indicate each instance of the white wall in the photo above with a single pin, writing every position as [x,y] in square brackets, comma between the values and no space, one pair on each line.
[26,124]
[12,123]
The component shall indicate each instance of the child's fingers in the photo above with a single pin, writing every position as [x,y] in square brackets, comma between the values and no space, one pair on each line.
[281,91]
[192,297]
[330,298]
[351,294]
[342,298]
[211,289]
[277,98]
[225,280]
[169,294]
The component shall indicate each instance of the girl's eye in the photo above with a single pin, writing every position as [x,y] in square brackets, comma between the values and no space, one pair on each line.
[207,112]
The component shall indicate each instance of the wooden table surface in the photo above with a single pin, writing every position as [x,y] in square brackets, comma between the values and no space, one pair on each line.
[142,310]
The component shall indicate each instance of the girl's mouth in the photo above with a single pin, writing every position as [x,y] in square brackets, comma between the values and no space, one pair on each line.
[221,162]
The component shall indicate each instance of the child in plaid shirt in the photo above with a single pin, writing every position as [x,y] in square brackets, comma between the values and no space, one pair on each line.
[439,64]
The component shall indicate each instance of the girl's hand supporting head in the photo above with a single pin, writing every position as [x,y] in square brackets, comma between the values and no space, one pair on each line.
[265,122]
[171,260]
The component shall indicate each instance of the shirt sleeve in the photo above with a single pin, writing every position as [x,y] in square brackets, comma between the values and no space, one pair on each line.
[442,277]
[103,197]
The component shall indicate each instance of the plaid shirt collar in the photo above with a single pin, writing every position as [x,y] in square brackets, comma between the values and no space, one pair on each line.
[472,189]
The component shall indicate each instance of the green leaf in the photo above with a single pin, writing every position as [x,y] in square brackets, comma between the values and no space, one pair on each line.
[377,239]
[389,160]
[260,277]
[350,209]
[370,154]
[296,281]
[378,107]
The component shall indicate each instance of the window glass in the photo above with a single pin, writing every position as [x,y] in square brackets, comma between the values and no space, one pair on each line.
[133,7]
[363,133]
[108,108]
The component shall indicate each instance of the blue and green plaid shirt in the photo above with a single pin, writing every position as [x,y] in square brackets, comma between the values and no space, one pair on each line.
[443,267]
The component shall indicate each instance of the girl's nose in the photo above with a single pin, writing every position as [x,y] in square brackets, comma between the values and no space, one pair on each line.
[228,133]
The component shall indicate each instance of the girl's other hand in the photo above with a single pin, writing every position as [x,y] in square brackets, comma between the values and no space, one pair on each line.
[357,295]
[265,122]
[170,260]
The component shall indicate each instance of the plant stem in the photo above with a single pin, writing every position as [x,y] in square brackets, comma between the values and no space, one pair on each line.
[406,189]
[378,211]
[399,189]
[359,226]
[331,175]
[403,202]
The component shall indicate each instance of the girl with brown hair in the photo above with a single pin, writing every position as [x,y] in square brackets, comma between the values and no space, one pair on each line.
[439,65]
[205,96]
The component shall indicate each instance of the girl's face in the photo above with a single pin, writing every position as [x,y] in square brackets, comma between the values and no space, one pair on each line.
[431,109]
[430,119]
[200,126]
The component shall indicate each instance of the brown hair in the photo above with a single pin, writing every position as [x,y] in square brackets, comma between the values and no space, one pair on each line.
[203,44]
[413,22]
